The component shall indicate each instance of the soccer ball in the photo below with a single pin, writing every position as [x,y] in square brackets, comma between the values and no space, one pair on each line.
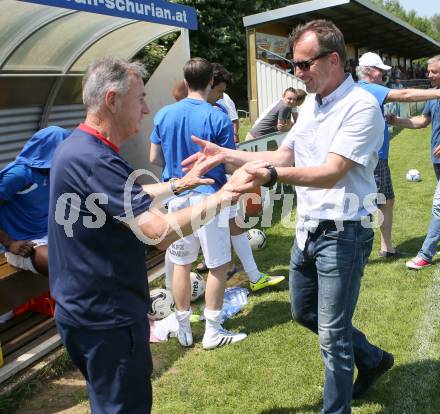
[197,286]
[161,304]
[413,175]
[257,239]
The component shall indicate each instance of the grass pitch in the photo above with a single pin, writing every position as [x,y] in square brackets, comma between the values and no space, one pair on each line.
[278,368]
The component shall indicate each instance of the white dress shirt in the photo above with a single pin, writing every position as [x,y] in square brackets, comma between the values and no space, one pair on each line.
[347,122]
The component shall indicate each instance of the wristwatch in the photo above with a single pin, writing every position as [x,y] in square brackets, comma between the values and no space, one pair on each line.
[273,176]
[172,182]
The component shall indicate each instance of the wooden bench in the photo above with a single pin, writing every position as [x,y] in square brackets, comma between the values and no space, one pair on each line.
[18,286]
[28,337]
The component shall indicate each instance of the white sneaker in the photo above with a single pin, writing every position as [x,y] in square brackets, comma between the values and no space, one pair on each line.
[184,335]
[222,337]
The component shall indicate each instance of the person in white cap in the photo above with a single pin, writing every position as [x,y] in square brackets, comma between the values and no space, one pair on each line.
[430,115]
[371,73]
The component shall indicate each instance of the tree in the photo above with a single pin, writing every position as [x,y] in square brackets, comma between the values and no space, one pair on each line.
[423,24]
[221,36]
[436,25]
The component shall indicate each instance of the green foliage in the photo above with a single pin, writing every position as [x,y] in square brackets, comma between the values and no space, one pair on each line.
[221,36]
[152,54]
[436,24]
[431,26]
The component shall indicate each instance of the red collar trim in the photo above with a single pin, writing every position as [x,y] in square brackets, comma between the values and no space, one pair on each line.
[98,135]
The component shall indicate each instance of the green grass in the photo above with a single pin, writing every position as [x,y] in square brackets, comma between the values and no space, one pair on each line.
[278,368]
[245,126]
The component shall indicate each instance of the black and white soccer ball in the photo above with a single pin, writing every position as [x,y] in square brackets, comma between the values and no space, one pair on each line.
[198,286]
[257,239]
[413,175]
[161,304]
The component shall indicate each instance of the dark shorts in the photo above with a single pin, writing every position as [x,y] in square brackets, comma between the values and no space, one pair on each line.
[382,175]
[116,364]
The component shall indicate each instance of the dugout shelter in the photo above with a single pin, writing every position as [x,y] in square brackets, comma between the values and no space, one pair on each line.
[44,52]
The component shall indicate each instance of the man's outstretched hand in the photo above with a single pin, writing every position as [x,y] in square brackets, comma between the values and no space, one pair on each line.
[195,176]
[209,149]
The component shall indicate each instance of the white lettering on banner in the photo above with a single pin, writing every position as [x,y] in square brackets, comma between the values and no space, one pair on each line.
[266,219]
[158,11]
[110,4]
[286,212]
[120,5]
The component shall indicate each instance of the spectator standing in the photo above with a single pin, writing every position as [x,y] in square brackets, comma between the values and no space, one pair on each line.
[371,73]
[229,104]
[430,115]
[277,118]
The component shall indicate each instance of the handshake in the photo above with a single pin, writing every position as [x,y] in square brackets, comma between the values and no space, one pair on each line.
[248,178]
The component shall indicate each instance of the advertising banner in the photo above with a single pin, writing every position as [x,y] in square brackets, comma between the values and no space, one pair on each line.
[155,11]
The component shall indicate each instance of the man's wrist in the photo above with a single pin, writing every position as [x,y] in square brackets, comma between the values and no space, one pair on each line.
[176,186]
[273,176]
[225,154]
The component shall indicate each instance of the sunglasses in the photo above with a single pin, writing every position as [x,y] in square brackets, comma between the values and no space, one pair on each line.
[304,65]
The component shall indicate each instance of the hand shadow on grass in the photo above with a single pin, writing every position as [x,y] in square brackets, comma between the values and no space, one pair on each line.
[264,315]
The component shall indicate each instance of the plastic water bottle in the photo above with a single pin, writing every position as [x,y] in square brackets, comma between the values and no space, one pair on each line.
[235,299]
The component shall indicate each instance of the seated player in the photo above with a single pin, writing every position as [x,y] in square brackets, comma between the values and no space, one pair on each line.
[24,201]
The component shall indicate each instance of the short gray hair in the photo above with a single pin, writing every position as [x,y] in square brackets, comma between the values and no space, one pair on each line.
[362,71]
[434,59]
[108,74]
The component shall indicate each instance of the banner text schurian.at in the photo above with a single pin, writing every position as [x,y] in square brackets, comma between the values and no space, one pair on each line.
[156,11]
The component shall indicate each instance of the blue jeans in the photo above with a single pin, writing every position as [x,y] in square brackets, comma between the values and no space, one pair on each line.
[432,238]
[324,287]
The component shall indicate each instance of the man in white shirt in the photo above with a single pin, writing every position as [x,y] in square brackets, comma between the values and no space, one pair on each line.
[229,104]
[334,146]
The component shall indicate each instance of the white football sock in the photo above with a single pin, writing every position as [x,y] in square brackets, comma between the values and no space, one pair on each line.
[183,316]
[243,250]
[213,321]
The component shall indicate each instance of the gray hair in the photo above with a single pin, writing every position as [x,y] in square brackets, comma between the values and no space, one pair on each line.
[108,74]
[362,71]
[434,59]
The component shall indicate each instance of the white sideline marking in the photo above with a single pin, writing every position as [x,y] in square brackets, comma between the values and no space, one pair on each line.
[425,336]
[424,348]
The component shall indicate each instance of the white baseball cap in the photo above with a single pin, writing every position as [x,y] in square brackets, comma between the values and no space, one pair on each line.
[373,59]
